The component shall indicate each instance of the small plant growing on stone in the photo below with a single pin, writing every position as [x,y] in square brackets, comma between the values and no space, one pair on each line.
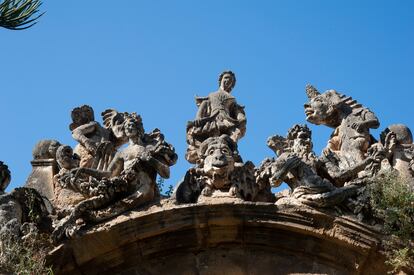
[26,255]
[160,184]
[392,200]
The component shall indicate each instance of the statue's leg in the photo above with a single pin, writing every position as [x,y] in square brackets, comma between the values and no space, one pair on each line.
[145,193]
[66,226]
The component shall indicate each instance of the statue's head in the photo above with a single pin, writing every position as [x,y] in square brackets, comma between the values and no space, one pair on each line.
[227,81]
[66,158]
[5,176]
[81,115]
[398,133]
[46,149]
[219,155]
[300,139]
[323,108]
[133,126]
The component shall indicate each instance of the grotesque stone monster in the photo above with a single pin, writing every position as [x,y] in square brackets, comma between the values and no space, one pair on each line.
[345,154]
[220,172]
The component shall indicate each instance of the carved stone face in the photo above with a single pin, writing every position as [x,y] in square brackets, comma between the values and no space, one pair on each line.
[302,145]
[227,82]
[65,157]
[132,128]
[301,139]
[82,115]
[322,109]
[54,145]
[219,160]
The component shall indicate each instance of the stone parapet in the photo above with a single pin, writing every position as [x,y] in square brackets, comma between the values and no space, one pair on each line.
[223,238]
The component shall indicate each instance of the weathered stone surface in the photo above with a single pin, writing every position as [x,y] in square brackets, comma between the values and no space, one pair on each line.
[345,154]
[66,193]
[212,146]
[299,167]
[218,114]
[220,169]
[223,238]
[397,141]
[222,218]
[20,209]
[97,145]
[127,183]
[44,167]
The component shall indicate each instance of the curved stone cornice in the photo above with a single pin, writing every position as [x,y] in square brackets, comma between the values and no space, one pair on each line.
[223,238]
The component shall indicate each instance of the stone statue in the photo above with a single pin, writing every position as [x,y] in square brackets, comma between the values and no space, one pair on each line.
[129,181]
[97,145]
[345,155]
[217,114]
[66,191]
[397,140]
[20,208]
[45,149]
[220,172]
[297,165]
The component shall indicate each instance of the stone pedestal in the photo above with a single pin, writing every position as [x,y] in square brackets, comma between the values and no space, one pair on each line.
[41,177]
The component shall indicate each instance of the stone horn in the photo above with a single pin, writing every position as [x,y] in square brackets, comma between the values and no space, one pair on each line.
[311,91]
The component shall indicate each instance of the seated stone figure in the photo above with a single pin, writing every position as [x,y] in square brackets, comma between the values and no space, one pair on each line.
[129,181]
[345,155]
[217,114]
[297,165]
[97,145]
[397,140]
[220,172]
[66,192]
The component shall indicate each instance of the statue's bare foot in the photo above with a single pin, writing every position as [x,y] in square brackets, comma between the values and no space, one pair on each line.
[207,191]
[234,191]
[61,230]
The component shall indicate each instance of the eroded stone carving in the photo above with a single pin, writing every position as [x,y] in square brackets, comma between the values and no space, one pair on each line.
[212,138]
[298,166]
[97,145]
[220,172]
[20,209]
[128,182]
[397,140]
[217,114]
[45,149]
[345,154]
[44,167]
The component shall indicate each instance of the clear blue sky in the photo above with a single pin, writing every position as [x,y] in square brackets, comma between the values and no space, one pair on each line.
[152,57]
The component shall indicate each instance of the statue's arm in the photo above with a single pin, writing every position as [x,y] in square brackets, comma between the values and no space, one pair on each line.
[162,169]
[202,110]
[341,176]
[117,165]
[282,166]
[114,169]
[240,114]
[79,134]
